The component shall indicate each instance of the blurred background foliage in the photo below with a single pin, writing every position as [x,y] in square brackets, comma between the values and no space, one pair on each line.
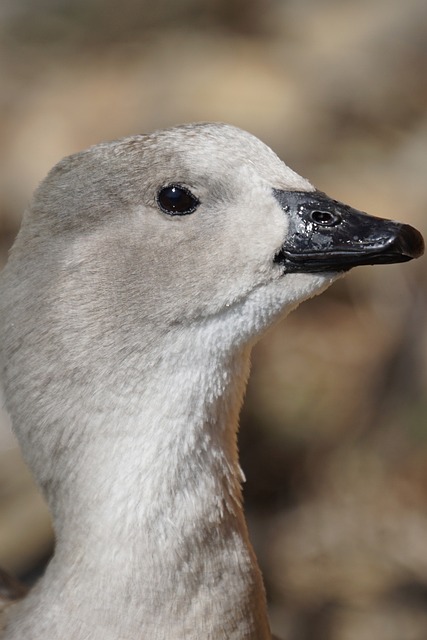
[333,433]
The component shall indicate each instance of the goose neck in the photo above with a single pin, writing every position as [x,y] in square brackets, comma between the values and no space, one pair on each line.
[148,514]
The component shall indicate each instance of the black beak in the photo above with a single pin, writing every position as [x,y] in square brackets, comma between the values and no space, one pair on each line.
[327,235]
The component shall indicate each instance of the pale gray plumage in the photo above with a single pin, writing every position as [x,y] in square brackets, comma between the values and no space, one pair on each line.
[125,335]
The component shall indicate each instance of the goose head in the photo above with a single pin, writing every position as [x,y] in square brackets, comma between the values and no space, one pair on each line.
[143,270]
[182,225]
[167,229]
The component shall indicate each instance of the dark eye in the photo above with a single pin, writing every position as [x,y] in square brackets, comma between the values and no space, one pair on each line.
[325,218]
[176,200]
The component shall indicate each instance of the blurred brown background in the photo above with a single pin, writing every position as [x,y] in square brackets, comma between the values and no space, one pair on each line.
[334,433]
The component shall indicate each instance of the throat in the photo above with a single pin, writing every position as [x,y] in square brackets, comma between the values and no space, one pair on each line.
[151,536]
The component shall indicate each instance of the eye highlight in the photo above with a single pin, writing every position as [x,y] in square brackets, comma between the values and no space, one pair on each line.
[176,200]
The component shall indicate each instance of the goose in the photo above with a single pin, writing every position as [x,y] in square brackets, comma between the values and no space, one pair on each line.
[143,273]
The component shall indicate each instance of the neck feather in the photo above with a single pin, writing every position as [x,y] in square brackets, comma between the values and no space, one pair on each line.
[151,537]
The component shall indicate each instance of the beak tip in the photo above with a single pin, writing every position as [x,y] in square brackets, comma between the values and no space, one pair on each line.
[410,242]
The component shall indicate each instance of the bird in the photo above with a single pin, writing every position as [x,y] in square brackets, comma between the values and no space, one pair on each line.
[144,271]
